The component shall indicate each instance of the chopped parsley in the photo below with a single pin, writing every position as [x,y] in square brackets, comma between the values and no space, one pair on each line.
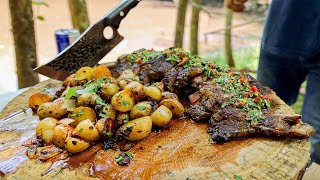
[72,92]
[141,108]
[125,120]
[77,114]
[142,56]
[118,158]
[107,133]
[81,130]
[129,155]
[237,177]
[125,103]
[100,101]
[91,87]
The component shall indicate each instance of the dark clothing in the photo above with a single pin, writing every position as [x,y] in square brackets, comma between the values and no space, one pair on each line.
[292,28]
[290,54]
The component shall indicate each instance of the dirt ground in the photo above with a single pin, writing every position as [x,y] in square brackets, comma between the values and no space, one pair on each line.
[150,25]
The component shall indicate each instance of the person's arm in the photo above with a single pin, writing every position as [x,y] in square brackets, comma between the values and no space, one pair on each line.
[236,5]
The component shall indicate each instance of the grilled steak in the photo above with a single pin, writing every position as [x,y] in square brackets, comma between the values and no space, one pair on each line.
[235,104]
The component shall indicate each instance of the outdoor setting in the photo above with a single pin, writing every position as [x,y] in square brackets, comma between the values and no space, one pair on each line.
[160,89]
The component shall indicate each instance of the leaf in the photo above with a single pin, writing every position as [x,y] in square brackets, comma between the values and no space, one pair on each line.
[237,177]
[79,113]
[126,120]
[125,103]
[118,158]
[100,101]
[40,3]
[129,155]
[141,108]
[102,115]
[41,18]
[107,133]
[71,93]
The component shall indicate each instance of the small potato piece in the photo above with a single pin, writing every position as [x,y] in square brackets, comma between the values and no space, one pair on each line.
[75,145]
[161,116]
[137,88]
[174,105]
[60,134]
[47,136]
[141,109]
[82,113]
[126,77]
[70,81]
[159,85]
[169,95]
[84,73]
[58,109]
[87,99]
[86,131]
[101,72]
[66,121]
[154,93]
[123,100]
[39,98]
[122,118]
[108,90]
[108,111]
[136,129]
[46,124]
[99,126]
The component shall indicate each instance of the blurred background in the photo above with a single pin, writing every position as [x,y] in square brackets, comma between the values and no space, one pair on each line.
[209,29]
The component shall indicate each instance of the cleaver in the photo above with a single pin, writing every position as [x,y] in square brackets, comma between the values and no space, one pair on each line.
[90,47]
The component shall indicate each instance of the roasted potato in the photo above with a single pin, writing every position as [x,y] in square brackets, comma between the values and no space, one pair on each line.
[126,77]
[136,129]
[100,126]
[39,98]
[137,88]
[108,111]
[75,145]
[108,90]
[84,73]
[70,81]
[66,121]
[141,109]
[101,72]
[47,136]
[87,99]
[161,116]
[159,85]
[46,124]
[58,109]
[123,100]
[122,118]
[86,131]
[169,95]
[60,133]
[109,128]
[153,93]
[82,113]
[174,105]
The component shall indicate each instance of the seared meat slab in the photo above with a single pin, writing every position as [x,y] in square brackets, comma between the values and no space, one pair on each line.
[235,104]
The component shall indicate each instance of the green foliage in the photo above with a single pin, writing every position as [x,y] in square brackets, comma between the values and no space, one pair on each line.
[40,3]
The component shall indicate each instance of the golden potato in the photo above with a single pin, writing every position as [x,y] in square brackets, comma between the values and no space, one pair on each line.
[108,111]
[58,109]
[46,124]
[70,81]
[87,99]
[84,73]
[75,145]
[169,95]
[86,131]
[174,105]
[122,118]
[123,100]
[82,113]
[39,98]
[109,128]
[100,126]
[153,93]
[66,121]
[141,109]
[108,90]
[159,85]
[60,134]
[136,129]
[47,136]
[101,72]
[161,116]
[126,77]
[137,88]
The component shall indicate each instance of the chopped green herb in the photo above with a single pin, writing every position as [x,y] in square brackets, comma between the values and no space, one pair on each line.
[100,101]
[129,155]
[237,177]
[141,108]
[107,133]
[125,103]
[71,93]
[118,158]
[91,87]
[125,120]
[77,114]
[102,115]
[81,130]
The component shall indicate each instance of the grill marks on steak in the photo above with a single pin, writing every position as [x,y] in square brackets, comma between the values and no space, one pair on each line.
[207,100]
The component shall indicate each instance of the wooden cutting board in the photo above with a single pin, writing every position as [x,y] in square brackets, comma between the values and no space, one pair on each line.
[180,151]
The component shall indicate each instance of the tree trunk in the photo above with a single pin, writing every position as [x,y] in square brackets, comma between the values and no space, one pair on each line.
[227,38]
[195,27]
[181,16]
[79,14]
[24,41]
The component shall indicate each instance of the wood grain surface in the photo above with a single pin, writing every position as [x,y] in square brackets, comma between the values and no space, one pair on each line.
[182,150]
